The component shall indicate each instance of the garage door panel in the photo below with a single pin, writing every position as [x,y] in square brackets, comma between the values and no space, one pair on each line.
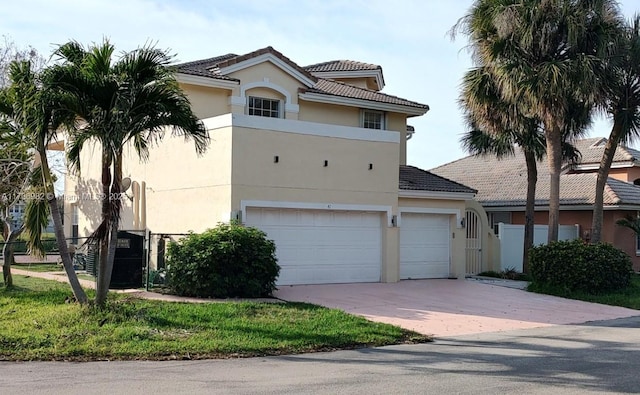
[424,246]
[322,246]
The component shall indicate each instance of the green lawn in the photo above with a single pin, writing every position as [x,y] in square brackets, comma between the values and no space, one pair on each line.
[36,323]
[629,297]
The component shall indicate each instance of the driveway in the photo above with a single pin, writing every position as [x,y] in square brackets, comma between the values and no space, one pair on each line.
[444,308]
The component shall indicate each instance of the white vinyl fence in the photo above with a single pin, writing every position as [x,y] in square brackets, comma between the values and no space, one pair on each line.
[512,241]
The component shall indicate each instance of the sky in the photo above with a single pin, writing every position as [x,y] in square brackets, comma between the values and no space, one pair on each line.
[409,38]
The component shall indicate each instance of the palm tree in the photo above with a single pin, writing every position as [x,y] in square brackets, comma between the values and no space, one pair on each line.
[29,105]
[623,104]
[548,55]
[15,169]
[129,102]
[495,127]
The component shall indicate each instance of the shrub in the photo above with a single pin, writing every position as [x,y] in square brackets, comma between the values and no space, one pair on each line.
[576,266]
[228,261]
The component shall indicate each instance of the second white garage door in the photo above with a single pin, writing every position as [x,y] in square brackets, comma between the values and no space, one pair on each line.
[424,246]
[322,246]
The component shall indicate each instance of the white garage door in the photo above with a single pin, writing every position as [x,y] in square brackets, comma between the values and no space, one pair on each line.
[322,246]
[424,246]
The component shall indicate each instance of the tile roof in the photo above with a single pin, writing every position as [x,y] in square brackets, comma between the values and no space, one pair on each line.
[341,65]
[593,148]
[503,182]
[415,179]
[203,67]
[211,68]
[335,88]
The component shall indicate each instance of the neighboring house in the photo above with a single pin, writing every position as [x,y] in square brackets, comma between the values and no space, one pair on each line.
[315,156]
[16,212]
[502,186]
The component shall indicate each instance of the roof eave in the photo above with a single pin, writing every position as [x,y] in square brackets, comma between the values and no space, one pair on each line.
[360,103]
[595,166]
[210,82]
[419,194]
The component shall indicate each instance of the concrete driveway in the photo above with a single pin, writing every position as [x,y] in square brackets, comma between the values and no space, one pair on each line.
[445,308]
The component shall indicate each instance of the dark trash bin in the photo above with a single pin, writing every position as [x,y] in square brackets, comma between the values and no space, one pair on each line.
[128,264]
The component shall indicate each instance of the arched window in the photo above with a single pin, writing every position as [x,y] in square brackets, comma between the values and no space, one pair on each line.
[636,181]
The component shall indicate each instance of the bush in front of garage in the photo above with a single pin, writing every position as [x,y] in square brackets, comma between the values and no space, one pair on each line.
[230,260]
[576,266]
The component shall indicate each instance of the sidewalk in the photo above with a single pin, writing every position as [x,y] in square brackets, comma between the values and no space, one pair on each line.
[135,292]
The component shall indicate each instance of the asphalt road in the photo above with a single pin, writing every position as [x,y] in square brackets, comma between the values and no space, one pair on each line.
[600,357]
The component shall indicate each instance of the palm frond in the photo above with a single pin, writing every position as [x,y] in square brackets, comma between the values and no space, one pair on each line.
[36,219]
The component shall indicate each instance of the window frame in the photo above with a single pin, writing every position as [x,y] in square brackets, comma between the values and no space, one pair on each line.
[383,119]
[75,219]
[253,108]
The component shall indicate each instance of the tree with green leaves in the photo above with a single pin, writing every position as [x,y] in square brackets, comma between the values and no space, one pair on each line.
[15,169]
[30,108]
[132,101]
[15,160]
[622,104]
[549,56]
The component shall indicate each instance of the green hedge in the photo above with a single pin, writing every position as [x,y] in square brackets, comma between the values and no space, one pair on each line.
[20,246]
[228,261]
[576,266]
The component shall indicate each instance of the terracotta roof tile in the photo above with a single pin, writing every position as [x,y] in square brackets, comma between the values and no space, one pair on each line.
[503,182]
[415,179]
[341,65]
[203,67]
[335,88]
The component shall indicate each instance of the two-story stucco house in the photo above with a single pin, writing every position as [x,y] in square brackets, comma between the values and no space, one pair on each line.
[315,156]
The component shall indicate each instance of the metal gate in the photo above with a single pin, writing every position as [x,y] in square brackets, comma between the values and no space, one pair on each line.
[474,242]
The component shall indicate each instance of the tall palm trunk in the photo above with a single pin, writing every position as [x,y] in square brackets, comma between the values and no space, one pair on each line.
[554,153]
[61,240]
[116,203]
[104,232]
[529,222]
[603,174]
[7,252]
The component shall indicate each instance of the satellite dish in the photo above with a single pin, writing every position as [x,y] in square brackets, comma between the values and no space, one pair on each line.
[126,184]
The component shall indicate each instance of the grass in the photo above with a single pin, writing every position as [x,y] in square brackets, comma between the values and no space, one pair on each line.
[628,297]
[37,323]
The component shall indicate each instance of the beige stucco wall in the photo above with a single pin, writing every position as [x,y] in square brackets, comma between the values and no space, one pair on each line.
[184,191]
[398,122]
[329,113]
[207,102]
[300,173]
